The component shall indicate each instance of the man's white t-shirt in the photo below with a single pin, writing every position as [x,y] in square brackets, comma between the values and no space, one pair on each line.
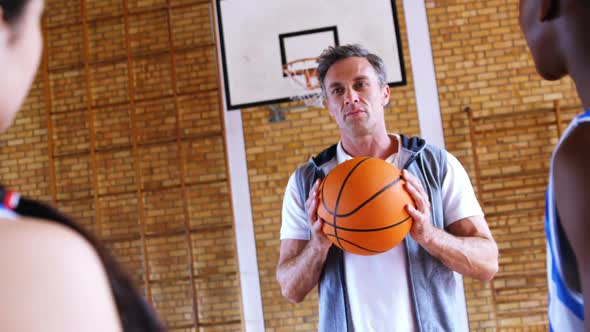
[378,286]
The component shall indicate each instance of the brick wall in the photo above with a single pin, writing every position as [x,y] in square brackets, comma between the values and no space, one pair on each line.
[122,131]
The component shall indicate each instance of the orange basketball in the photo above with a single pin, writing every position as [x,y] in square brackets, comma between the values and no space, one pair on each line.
[362,204]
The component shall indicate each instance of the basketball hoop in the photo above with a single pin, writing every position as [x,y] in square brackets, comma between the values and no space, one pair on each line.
[304,79]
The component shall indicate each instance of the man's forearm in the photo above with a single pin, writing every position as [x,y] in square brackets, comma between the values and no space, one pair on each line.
[475,257]
[300,274]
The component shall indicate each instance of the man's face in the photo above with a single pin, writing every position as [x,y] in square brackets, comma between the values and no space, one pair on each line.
[538,27]
[354,96]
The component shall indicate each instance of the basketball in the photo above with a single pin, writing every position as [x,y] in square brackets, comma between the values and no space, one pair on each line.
[362,204]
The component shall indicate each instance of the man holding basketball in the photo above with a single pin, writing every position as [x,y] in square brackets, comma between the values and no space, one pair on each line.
[557,34]
[412,287]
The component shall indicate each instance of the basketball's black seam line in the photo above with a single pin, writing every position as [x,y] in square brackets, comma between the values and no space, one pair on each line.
[326,208]
[354,244]
[339,195]
[370,229]
[391,184]
[340,190]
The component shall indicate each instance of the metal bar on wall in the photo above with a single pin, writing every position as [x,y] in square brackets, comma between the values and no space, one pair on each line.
[90,119]
[49,121]
[557,110]
[469,112]
[136,160]
[479,187]
[181,162]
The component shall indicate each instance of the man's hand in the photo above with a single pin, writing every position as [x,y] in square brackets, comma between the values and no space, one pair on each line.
[422,227]
[315,222]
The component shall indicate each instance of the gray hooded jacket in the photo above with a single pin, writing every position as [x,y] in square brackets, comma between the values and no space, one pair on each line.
[437,291]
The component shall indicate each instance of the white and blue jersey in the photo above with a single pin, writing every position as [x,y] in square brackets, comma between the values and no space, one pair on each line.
[566,306]
[8,202]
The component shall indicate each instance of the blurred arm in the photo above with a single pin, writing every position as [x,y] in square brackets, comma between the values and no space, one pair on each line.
[572,194]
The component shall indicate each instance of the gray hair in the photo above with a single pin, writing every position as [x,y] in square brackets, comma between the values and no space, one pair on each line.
[332,55]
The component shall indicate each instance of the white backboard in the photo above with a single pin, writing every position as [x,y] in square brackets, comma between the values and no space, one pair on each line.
[258,37]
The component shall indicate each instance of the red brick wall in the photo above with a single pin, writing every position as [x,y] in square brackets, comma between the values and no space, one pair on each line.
[122,130]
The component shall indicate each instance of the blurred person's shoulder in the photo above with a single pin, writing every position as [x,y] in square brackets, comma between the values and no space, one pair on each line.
[41,237]
[52,279]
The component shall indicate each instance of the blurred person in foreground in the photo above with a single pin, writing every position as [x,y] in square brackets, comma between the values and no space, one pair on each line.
[55,276]
[558,36]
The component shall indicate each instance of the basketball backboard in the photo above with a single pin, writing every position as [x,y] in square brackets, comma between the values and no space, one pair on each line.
[259,37]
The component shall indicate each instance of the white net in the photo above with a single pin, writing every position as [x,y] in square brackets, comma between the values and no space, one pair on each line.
[303,76]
